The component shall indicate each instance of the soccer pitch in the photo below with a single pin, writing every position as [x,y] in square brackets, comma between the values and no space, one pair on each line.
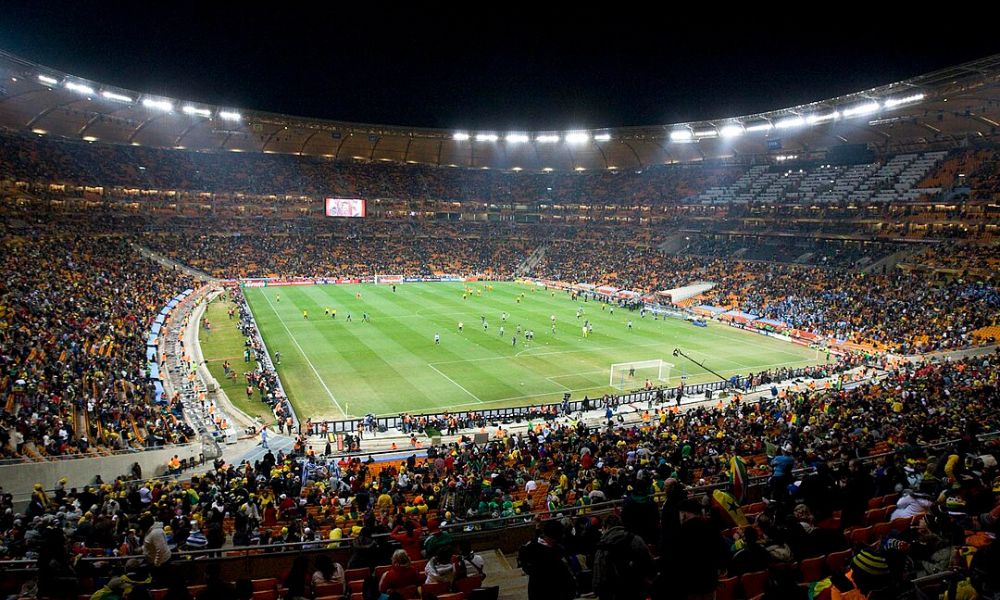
[331,367]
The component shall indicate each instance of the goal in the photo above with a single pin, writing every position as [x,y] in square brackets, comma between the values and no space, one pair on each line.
[634,374]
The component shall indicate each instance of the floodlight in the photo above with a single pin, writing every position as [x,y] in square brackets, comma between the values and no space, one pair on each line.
[516,138]
[194,110]
[760,127]
[577,137]
[164,105]
[460,137]
[680,135]
[116,97]
[817,119]
[230,115]
[86,90]
[790,122]
[602,137]
[894,102]
[48,80]
[862,109]
[730,131]
[705,133]
[547,139]
[486,137]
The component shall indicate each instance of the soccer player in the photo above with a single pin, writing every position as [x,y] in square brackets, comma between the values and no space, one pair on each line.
[394,288]
[584,328]
[503,316]
[513,341]
[326,311]
[357,296]
[461,325]
[348,317]
[553,327]
[277,357]
[437,339]
[630,324]
[518,329]
[612,310]
[579,312]
[333,313]
[305,314]
[590,329]
[277,298]
[364,317]
[501,331]
[485,325]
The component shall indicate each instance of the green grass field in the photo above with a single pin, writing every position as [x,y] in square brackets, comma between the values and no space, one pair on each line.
[332,367]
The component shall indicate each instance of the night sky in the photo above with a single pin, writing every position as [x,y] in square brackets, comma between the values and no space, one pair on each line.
[520,68]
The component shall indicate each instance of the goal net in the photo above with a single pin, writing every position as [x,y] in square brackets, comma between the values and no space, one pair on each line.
[635,374]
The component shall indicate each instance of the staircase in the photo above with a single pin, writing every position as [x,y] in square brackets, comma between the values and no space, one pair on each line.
[889,262]
[530,262]
[502,571]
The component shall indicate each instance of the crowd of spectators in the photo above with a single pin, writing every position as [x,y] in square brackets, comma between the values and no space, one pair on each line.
[33,158]
[74,316]
[813,443]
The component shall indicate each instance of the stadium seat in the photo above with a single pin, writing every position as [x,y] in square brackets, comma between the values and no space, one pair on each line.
[451,596]
[265,595]
[468,584]
[727,588]
[837,561]
[355,586]
[356,574]
[410,591]
[436,588]
[901,524]
[330,589]
[487,593]
[882,530]
[269,583]
[753,583]
[380,570]
[861,536]
[812,569]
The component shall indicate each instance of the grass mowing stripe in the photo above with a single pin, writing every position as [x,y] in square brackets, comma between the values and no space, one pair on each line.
[383,365]
[305,356]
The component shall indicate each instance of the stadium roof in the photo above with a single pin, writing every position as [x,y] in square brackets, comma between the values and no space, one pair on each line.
[939,109]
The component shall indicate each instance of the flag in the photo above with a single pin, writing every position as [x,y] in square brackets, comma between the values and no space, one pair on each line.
[728,508]
[738,478]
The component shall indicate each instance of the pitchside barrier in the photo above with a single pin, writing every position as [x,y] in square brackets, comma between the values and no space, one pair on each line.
[490,417]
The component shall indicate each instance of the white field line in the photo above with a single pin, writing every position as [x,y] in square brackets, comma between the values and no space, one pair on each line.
[459,385]
[602,387]
[305,356]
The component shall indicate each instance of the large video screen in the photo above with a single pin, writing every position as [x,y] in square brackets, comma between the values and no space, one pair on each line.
[345,207]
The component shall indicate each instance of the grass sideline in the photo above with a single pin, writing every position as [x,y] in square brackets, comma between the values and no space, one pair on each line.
[332,368]
[224,342]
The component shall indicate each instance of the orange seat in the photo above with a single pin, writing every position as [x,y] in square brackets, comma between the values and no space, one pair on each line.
[266,595]
[356,574]
[837,561]
[753,583]
[467,584]
[812,569]
[727,588]
[330,589]
[380,570]
[264,584]
[436,588]
[356,585]
[357,596]
[882,530]
[418,565]
[451,596]
[873,516]
[409,592]
[197,589]
[875,502]
[901,524]
[154,594]
[861,536]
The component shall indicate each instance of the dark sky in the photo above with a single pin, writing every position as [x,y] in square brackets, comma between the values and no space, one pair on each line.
[520,67]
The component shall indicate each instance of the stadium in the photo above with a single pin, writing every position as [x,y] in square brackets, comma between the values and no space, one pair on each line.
[258,355]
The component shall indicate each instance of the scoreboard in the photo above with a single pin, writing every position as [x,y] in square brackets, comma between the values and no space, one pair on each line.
[345,207]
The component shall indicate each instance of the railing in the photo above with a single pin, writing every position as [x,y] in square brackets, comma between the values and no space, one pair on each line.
[485,416]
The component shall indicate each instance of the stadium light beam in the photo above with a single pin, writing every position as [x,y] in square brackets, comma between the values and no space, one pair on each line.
[164,105]
[194,110]
[228,115]
[862,109]
[731,131]
[547,139]
[577,137]
[460,137]
[817,119]
[760,127]
[487,137]
[602,137]
[48,80]
[80,88]
[516,138]
[790,122]
[116,97]
[681,135]
[894,102]
[705,133]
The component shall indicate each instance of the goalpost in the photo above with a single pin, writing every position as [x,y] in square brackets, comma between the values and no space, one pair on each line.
[634,374]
